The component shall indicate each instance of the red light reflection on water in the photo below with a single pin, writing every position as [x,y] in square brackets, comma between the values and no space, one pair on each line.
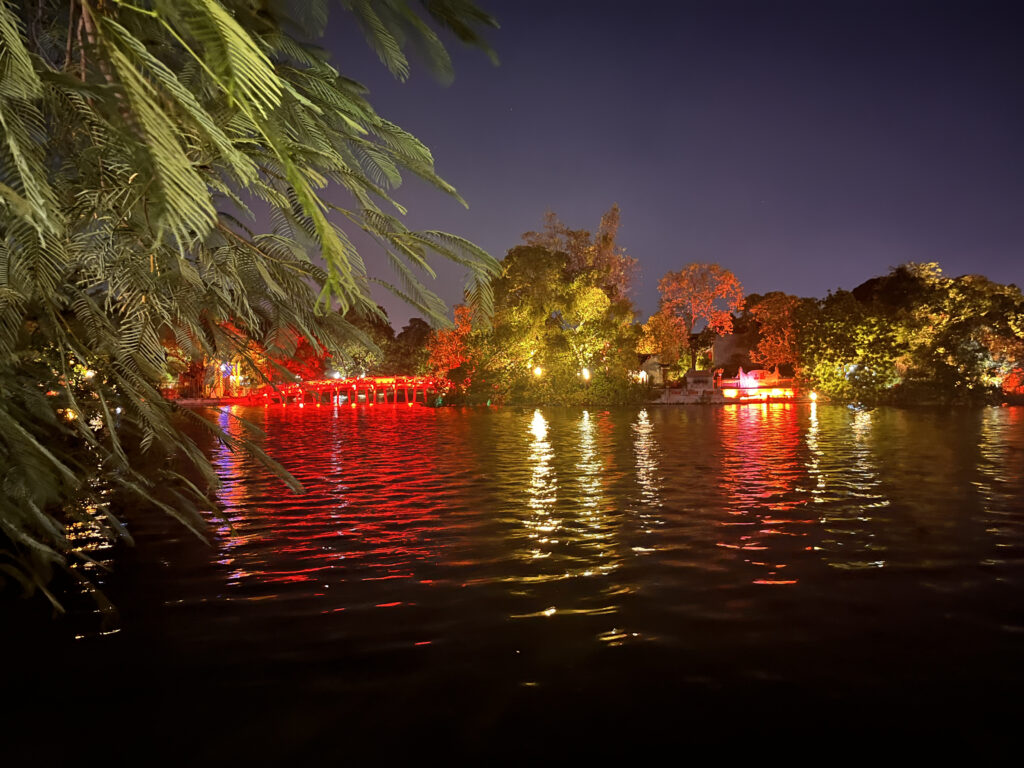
[761,476]
[370,512]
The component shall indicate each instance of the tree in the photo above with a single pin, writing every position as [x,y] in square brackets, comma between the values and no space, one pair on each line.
[408,353]
[365,353]
[696,296]
[133,140]
[665,336]
[775,316]
[847,351]
[561,309]
[306,363]
[600,253]
[450,356]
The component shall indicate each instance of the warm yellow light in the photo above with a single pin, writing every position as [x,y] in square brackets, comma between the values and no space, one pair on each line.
[730,392]
[814,395]
[585,373]
[70,415]
[538,371]
[89,374]
[539,425]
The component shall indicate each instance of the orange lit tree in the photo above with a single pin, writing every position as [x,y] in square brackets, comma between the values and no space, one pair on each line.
[450,352]
[775,316]
[696,297]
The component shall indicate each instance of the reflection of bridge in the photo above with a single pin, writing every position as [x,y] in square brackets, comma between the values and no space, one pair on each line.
[368,390]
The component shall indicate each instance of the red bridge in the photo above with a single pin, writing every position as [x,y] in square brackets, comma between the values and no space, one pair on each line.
[368,390]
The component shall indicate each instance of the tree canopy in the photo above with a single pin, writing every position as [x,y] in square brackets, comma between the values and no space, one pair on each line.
[913,335]
[563,325]
[697,297]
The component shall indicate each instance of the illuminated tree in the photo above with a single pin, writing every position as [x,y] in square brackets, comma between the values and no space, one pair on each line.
[665,336]
[450,355]
[964,334]
[699,295]
[561,306]
[775,316]
[913,335]
[846,351]
[600,254]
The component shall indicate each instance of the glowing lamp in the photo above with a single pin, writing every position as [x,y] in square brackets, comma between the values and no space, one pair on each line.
[538,371]
[585,373]
[814,396]
[730,392]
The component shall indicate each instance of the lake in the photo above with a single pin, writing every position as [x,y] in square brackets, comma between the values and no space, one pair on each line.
[776,576]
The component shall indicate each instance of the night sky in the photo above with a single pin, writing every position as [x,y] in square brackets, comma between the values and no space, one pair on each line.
[806,146]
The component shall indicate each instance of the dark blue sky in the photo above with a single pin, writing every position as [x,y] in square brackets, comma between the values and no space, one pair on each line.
[804,145]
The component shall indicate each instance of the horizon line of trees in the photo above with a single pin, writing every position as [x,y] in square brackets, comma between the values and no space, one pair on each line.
[565,331]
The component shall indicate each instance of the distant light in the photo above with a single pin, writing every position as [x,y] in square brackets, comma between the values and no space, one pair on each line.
[336,375]
[642,376]
[814,395]
[538,371]
[70,415]
[585,373]
[118,409]
[89,374]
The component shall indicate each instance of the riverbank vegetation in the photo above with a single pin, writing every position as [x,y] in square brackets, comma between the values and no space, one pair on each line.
[566,332]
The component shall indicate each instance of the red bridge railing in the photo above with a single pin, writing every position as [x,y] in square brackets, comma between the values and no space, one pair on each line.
[368,390]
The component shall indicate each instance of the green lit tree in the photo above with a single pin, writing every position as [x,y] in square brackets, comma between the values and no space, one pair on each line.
[846,351]
[563,329]
[911,336]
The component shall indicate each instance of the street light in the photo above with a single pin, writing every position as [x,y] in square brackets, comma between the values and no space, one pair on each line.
[585,373]
[538,371]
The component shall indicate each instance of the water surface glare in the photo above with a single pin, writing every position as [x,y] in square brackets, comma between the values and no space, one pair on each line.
[459,575]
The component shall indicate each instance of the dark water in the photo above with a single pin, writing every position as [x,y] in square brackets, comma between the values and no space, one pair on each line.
[768,577]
